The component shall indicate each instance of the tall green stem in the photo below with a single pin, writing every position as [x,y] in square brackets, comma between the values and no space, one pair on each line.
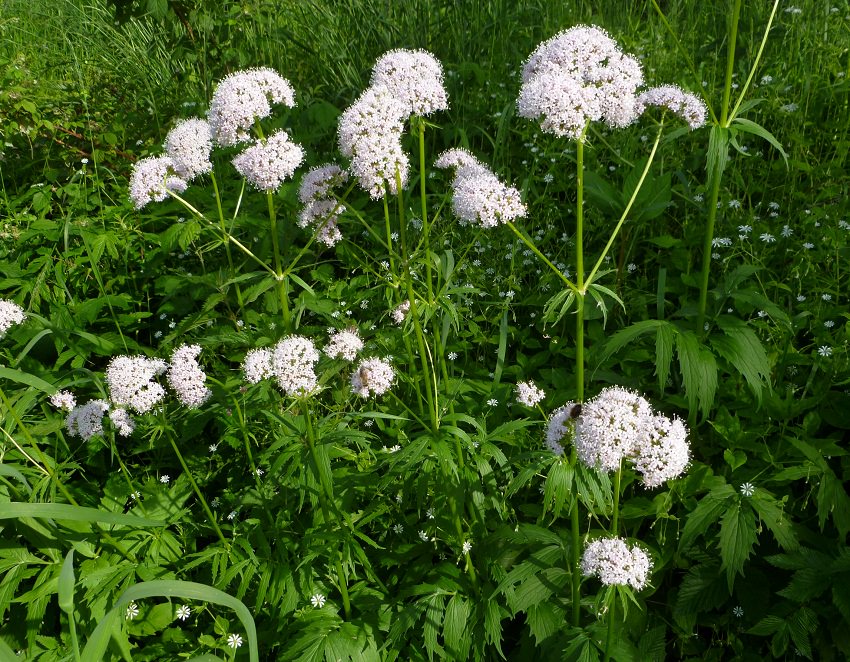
[282,289]
[197,491]
[609,639]
[425,224]
[225,234]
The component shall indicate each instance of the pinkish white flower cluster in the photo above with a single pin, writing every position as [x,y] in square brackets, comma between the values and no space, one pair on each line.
[64,400]
[243,97]
[528,393]
[400,312]
[344,344]
[578,76]
[10,315]
[477,194]
[258,365]
[370,135]
[86,421]
[414,77]
[561,426]
[293,361]
[130,382]
[189,145]
[152,178]
[615,563]
[372,377]
[684,104]
[266,164]
[187,378]
[619,425]
[123,422]
[321,209]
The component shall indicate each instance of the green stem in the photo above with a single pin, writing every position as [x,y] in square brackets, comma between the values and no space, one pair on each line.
[628,208]
[224,236]
[615,518]
[389,238]
[746,86]
[197,491]
[325,496]
[609,639]
[425,224]
[713,196]
[283,294]
[731,42]
[545,260]
[75,643]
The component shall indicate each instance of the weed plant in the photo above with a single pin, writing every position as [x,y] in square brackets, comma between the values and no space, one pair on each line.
[494,377]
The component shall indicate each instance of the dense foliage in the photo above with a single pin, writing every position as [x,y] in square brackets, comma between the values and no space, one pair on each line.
[423,501]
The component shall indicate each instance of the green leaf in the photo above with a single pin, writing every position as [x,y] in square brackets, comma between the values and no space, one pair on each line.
[704,515]
[66,584]
[433,620]
[457,634]
[99,639]
[718,151]
[16,509]
[737,538]
[663,353]
[623,337]
[772,514]
[833,500]
[758,130]
[744,351]
[28,379]
[699,371]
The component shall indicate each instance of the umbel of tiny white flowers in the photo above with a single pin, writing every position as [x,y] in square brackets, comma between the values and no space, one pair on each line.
[415,78]
[372,377]
[684,104]
[189,145]
[130,382]
[291,362]
[187,378]
[10,315]
[344,344]
[528,394]
[242,98]
[370,135]
[152,178]
[615,563]
[400,312]
[578,76]
[268,163]
[321,210]
[477,194]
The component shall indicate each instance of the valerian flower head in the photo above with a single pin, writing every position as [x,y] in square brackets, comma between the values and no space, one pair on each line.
[578,76]
[258,365]
[187,378]
[123,422]
[10,315]
[189,145]
[528,394]
[292,361]
[130,382]
[684,104]
[615,563]
[243,97]
[611,426]
[561,427]
[344,344]
[477,194]
[399,313]
[64,400]
[372,377]
[370,135]
[86,421]
[152,178]
[323,215]
[318,183]
[267,164]
[415,78]
[663,453]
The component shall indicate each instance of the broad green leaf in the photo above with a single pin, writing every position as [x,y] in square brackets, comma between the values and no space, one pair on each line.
[16,509]
[433,621]
[704,515]
[7,654]
[663,353]
[11,470]
[99,638]
[737,539]
[25,378]
[66,584]
[457,634]
[772,514]
[743,350]
[718,151]
[630,333]
[699,371]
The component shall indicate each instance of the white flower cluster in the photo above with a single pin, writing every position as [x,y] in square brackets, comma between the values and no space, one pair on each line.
[344,344]
[243,97]
[400,312]
[370,135]
[187,378]
[321,210]
[10,315]
[123,422]
[372,377]
[684,104]
[291,362]
[414,77]
[266,164]
[86,420]
[614,563]
[619,425]
[477,194]
[152,178]
[63,400]
[130,382]
[528,393]
[189,145]
[578,76]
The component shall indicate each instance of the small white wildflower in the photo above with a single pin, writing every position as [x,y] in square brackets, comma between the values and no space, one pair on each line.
[734,204]
[747,489]
[738,611]
[808,245]
[767,238]
[632,267]
[825,350]
[452,356]
[745,229]
[183,612]
[317,600]
[826,297]
[234,640]
[165,479]
[63,400]
[430,513]
[528,394]
[829,324]
[423,536]
[373,377]
[786,231]
[10,315]
[801,297]
[398,528]
[132,611]
[467,547]
[399,313]
[492,402]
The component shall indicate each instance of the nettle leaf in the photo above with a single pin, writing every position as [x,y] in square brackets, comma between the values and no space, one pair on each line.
[433,619]
[833,499]
[663,353]
[771,513]
[699,371]
[803,623]
[737,538]
[457,631]
[744,351]
[705,514]
[718,150]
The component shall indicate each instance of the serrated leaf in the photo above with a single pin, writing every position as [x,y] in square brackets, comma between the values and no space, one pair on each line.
[663,353]
[623,337]
[66,584]
[493,624]
[772,514]
[704,515]
[433,621]
[801,624]
[653,644]
[767,625]
[833,500]
[744,351]
[457,635]
[737,539]
[749,126]
[699,371]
